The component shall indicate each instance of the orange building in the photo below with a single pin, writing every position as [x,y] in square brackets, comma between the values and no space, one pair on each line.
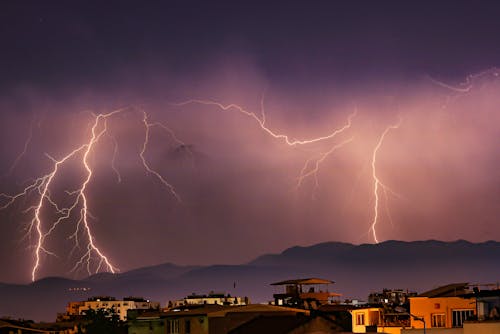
[442,307]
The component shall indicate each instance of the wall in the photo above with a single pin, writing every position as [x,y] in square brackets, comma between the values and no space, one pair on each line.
[486,327]
[425,307]
[389,330]
[371,317]
[153,326]
[434,331]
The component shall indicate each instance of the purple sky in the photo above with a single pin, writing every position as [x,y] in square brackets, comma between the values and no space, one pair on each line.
[430,65]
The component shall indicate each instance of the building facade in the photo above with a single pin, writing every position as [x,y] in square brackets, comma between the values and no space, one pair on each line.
[119,307]
[210,299]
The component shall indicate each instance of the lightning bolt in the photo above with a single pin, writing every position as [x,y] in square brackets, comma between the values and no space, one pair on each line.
[93,258]
[262,120]
[25,148]
[306,171]
[468,84]
[113,159]
[376,180]
[147,126]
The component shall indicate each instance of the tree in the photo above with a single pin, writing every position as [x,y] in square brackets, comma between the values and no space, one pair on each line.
[102,321]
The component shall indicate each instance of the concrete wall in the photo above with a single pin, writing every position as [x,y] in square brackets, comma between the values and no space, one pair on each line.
[425,307]
[486,327]
[434,331]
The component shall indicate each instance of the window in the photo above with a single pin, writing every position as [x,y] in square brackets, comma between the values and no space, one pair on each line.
[187,326]
[373,318]
[173,326]
[459,316]
[360,319]
[438,320]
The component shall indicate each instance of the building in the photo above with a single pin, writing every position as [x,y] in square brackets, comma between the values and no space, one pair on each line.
[119,307]
[219,319]
[211,299]
[459,308]
[298,324]
[366,319]
[391,297]
[10,326]
[146,322]
[339,313]
[443,307]
[378,319]
[307,293]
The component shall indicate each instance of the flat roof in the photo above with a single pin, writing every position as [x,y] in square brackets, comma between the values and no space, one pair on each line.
[304,281]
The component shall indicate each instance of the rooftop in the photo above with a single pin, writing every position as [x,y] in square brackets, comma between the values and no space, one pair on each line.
[304,281]
[450,290]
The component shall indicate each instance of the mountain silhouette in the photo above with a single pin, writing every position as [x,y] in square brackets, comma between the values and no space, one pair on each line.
[356,269]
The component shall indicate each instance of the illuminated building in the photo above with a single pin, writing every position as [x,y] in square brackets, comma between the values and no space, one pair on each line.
[120,307]
[443,307]
[364,318]
[210,299]
[457,307]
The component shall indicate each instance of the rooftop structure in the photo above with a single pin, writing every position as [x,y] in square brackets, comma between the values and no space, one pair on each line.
[308,293]
[392,297]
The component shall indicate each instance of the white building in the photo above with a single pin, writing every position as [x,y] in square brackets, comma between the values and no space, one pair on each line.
[210,299]
[120,307]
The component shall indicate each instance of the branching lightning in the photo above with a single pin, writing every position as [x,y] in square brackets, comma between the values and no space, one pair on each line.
[306,171]
[25,148]
[468,84]
[262,120]
[93,258]
[377,184]
[147,126]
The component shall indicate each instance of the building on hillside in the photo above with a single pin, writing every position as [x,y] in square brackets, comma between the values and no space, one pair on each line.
[395,297]
[307,293]
[119,307]
[211,299]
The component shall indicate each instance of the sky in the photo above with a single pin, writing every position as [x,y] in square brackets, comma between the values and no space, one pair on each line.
[235,129]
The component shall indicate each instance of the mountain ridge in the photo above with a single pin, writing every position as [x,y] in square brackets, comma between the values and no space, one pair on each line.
[356,269]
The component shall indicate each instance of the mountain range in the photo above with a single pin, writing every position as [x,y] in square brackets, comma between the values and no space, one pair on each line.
[356,269]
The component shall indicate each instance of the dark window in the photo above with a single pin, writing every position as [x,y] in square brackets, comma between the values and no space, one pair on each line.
[459,316]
